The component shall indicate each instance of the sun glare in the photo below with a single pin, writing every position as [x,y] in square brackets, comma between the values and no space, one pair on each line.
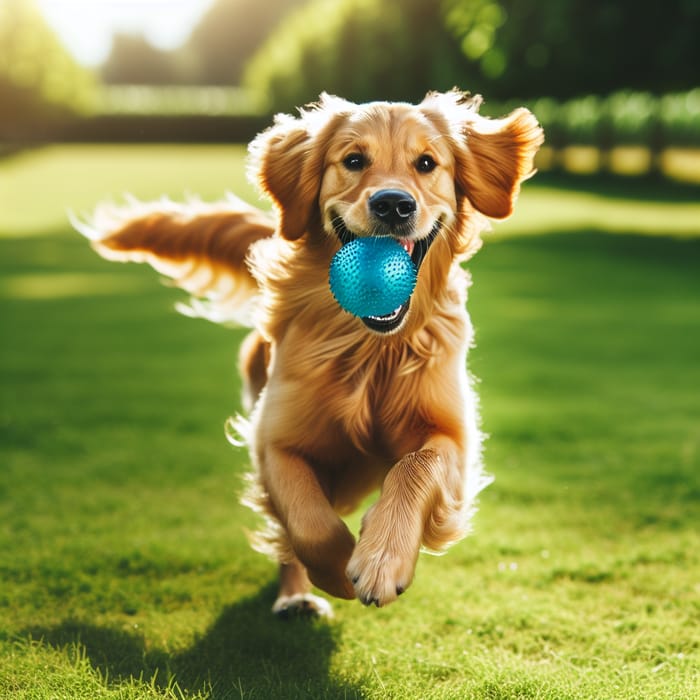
[86,26]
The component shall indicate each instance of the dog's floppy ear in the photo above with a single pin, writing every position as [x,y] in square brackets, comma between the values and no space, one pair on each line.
[287,161]
[493,156]
[499,156]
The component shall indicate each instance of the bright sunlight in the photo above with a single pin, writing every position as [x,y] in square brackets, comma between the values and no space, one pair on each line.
[86,27]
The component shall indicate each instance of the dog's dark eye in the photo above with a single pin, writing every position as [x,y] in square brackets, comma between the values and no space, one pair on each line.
[355,161]
[425,164]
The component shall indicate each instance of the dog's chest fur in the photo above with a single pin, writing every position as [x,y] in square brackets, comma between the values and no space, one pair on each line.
[373,398]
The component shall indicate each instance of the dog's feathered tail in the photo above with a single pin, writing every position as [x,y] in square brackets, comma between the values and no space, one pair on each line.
[202,248]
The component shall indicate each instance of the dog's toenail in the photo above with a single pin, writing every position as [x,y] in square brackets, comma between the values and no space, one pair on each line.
[399,590]
[355,579]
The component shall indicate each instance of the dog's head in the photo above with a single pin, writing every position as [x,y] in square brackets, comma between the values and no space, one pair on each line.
[419,173]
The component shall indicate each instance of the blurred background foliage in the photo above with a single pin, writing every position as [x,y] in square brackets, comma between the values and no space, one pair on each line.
[597,72]
[565,48]
[361,49]
[39,79]
[216,52]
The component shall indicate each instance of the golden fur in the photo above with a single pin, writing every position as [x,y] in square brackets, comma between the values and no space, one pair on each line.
[337,407]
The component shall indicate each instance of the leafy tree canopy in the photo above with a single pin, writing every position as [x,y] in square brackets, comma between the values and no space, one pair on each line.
[367,49]
[35,68]
[572,47]
[361,49]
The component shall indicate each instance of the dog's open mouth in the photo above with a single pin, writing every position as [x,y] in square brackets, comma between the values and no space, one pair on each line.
[416,249]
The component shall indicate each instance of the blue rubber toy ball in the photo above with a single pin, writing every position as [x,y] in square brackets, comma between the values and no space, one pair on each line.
[372,276]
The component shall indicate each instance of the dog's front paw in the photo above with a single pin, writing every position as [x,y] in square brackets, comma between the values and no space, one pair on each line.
[379,577]
[382,565]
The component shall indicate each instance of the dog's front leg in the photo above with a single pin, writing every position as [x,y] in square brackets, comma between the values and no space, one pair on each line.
[319,538]
[421,503]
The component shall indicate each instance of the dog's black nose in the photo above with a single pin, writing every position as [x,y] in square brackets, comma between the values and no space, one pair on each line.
[392,207]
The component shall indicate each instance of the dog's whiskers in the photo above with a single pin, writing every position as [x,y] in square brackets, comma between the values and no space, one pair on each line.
[344,234]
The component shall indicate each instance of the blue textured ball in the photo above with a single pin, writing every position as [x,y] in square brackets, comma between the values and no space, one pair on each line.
[372,276]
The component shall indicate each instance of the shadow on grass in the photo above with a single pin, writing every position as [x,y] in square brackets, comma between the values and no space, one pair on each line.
[245,653]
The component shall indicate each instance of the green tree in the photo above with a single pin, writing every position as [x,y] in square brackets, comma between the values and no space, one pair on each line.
[38,77]
[566,48]
[360,49]
[505,49]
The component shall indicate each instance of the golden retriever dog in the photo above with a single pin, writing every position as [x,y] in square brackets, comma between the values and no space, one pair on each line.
[340,406]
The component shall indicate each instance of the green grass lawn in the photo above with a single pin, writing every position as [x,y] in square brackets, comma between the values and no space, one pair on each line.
[124,568]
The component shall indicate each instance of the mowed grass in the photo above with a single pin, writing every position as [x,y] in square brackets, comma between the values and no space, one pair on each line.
[124,568]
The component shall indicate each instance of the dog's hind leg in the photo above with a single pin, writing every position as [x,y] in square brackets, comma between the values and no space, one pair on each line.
[252,361]
[295,597]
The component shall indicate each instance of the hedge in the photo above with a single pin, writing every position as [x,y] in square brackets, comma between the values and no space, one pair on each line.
[208,114]
[622,118]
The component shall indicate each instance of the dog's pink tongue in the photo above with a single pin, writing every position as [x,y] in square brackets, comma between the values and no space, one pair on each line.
[407,245]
